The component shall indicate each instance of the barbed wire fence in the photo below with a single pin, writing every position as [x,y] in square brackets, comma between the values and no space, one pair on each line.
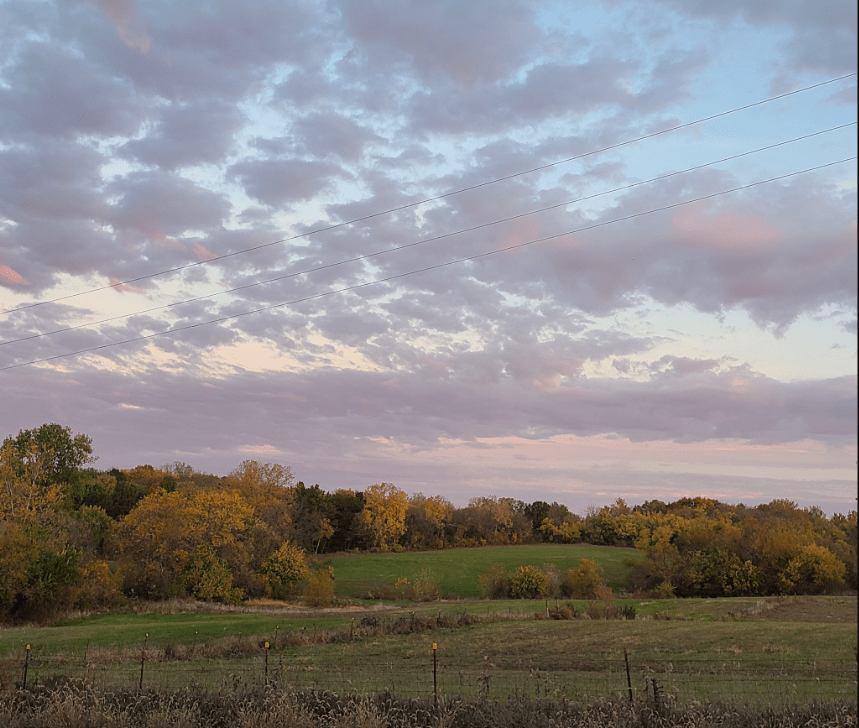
[436,673]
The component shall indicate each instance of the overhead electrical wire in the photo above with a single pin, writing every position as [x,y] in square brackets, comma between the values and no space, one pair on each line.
[426,240]
[437,266]
[435,198]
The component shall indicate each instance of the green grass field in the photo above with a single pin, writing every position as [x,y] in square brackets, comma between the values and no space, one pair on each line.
[734,650]
[458,570]
[760,651]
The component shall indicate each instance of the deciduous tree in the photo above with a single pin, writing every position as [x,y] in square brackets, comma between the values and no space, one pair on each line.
[384,514]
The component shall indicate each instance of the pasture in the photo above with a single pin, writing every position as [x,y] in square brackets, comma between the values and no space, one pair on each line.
[457,570]
[735,650]
[776,650]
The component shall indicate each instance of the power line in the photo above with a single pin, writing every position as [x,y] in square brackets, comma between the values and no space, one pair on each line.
[392,210]
[425,269]
[425,240]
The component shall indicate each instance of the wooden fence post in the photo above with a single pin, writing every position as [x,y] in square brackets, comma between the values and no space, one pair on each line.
[628,679]
[435,675]
[26,667]
[142,661]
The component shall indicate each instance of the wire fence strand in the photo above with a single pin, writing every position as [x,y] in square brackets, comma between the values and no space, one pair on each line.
[583,677]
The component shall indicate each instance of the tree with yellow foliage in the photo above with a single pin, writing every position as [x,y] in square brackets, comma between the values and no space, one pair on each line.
[162,534]
[384,515]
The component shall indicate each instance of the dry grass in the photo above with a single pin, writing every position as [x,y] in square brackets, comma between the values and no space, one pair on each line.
[74,704]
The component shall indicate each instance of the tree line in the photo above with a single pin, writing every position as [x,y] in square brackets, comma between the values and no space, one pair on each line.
[73,536]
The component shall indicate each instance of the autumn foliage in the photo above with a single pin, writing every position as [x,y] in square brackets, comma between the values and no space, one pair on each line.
[73,537]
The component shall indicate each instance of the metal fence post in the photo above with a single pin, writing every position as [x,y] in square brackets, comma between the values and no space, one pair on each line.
[26,667]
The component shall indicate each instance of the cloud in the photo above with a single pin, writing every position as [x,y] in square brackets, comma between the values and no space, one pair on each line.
[52,91]
[197,132]
[821,37]
[333,134]
[128,25]
[141,137]
[283,182]
[12,276]
[489,41]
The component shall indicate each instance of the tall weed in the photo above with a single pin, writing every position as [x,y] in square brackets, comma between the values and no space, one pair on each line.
[74,704]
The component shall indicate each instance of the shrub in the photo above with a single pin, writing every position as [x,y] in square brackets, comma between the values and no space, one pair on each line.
[283,569]
[52,580]
[814,570]
[627,612]
[100,587]
[494,583]
[207,577]
[565,612]
[604,594]
[584,581]
[552,579]
[664,591]
[319,591]
[528,582]
[423,587]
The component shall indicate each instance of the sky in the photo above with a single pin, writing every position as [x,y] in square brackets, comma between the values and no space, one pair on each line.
[543,250]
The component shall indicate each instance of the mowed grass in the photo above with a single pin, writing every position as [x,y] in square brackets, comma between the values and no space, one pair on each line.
[457,571]
[127,631]
[670,628]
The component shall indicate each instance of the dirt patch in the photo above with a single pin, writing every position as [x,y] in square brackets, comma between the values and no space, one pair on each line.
[810,609]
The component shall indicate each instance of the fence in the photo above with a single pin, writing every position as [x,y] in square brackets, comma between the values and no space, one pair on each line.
[341,668]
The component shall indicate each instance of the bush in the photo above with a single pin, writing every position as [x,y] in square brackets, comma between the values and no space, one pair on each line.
[207,577]
[319,591]
[423,587]
[584,581]
[529,582]
[494,583]
[813,571]
[565,612]
[283,569]
[664,591]
[52,580]
[100,587]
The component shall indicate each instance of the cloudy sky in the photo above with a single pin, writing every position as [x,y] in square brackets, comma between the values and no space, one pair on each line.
[547,250]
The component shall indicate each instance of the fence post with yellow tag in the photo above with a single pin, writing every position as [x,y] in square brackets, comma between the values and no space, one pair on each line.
[435,675]
[26,667]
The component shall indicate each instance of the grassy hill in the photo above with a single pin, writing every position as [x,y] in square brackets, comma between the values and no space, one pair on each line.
[457,570]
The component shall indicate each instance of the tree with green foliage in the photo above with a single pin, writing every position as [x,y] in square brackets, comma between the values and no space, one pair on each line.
[35,467]
[208,577]
[345,511]
[311,524]
[814,570]
[716,572]
[126,495]
[50,453]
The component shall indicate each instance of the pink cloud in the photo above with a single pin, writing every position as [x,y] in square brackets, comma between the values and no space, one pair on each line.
[130,28]
[725,230]
[13,276]
[119,286]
